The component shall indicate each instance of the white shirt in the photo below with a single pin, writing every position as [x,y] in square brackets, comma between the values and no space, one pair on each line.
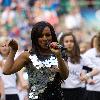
[9,81]
[73,80]
[92,55]
[10,84]
[1,72]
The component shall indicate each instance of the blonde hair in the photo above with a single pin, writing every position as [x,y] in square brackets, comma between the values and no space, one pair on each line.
[3,39]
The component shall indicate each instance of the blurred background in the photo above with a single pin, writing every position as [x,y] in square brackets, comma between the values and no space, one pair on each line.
[18,16]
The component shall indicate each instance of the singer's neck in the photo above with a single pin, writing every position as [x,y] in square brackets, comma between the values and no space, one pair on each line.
[45,52]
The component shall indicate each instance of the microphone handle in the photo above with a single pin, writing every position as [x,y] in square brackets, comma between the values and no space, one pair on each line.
[62,49]
[60,46]
[56,46]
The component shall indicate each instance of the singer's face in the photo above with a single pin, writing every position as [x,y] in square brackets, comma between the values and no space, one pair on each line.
[68,43]
[45,38]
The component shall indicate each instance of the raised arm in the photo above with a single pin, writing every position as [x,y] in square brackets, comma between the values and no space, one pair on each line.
[10,66]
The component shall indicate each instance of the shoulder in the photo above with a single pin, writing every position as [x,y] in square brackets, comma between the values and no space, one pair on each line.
[90,52]
[24,55]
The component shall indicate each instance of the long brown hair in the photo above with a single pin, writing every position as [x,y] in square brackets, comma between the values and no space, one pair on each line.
[75,54]
[92,41]
[98,42]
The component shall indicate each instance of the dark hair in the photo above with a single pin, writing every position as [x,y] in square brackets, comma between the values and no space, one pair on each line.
[75,54]
[37,31]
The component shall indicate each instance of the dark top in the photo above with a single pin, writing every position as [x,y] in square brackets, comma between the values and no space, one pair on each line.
[44,83]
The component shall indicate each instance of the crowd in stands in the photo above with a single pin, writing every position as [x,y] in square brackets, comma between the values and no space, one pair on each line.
[18,16]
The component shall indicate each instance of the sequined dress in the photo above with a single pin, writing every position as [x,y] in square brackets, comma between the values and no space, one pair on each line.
[44,84]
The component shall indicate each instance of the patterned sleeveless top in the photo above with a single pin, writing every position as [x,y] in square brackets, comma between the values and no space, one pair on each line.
[44,84]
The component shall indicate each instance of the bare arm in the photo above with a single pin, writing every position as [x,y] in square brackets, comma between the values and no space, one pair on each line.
[1,87]
[94,72]
[1,83]
[12,66]
[63,67]
[62,64]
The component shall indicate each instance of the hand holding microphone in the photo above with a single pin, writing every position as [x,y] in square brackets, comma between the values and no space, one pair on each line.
[55,49]
[62,50]
[55,45]
[59,50]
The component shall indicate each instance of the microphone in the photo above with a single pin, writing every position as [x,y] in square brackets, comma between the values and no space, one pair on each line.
[56,46]
[62,49]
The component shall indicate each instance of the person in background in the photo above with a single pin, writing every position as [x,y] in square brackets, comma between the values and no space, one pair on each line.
[92,88]
[23,84]
[73,87]
[10,84]
[84,46]
[2,96]
[10,81]
[45,65]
